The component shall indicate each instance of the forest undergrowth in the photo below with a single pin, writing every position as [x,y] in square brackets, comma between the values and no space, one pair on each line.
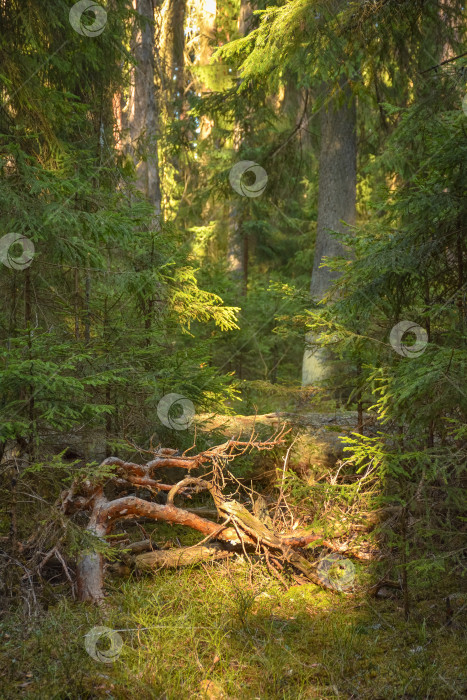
[232,629]
[229,630]
[233,268]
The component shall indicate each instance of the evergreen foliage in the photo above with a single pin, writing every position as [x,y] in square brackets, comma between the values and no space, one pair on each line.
[116,307]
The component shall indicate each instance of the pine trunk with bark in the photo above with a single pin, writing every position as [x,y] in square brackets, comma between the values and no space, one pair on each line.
[172,48]
[141,116]
[238,244]
[336,206]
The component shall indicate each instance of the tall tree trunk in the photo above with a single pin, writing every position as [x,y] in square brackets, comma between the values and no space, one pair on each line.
[245,18]
[207,34]
[142,110]
[172,50]
[140,122]
[336,205]
[237,244]
[172,79]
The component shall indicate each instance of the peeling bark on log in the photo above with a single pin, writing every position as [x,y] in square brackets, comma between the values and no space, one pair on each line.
[249,531]
[183,556]
[90,566]
[90,577]
[204,512]
[130,508]
[105,514]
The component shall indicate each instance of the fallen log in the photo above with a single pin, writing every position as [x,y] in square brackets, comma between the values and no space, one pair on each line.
[105,514]
[247,530]
[269,540]
[139,547]
[240,529]
[261,533]
[183,556]
[89,496]
[204,511]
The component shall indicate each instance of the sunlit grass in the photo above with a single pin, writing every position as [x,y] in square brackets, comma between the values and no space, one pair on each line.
[237,628]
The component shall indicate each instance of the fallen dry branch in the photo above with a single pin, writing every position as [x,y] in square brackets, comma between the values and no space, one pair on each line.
[89,496]
[182,556]
[268,540]
[139,547]
[241,529]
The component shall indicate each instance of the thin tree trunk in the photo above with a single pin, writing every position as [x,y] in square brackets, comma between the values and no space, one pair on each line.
[87,317]
[207,23]
[90,566]
[76,303]
[460,274]
[28,324]
[405,582]
[237,245]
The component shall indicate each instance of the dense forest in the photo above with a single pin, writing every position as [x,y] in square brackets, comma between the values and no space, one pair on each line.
[233,349]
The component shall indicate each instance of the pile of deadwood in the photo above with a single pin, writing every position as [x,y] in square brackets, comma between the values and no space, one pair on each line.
[237,530]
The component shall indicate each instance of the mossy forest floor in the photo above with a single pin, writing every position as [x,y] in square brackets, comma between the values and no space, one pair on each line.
[226,630]
[230,630]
